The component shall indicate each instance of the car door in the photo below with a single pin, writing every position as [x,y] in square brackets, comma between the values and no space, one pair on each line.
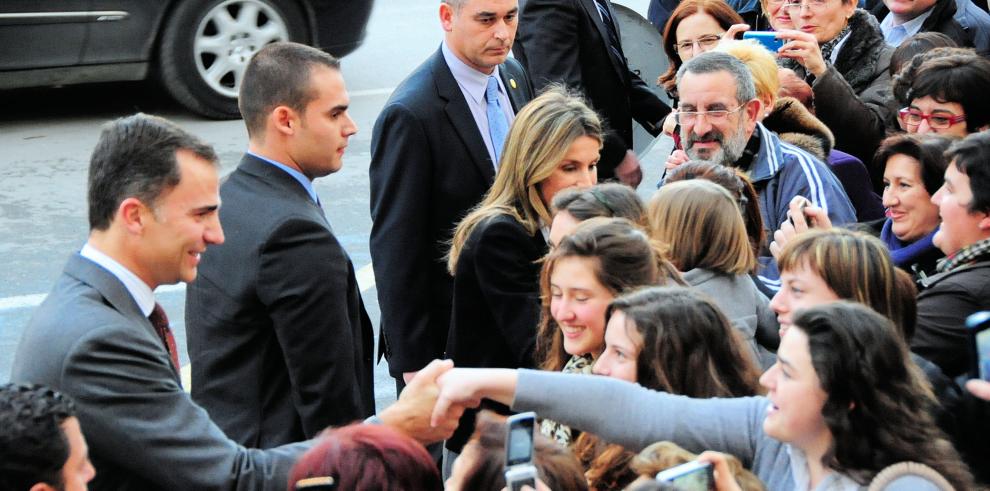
[42,33]
[129,38]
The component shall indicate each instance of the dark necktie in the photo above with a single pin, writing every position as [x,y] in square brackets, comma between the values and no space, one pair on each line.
[160,322]
[614,44]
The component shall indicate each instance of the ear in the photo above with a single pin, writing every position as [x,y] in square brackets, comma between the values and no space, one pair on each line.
[446,16]
[753,108]
[41,487]
[133,214]
[849,8]
[284,120]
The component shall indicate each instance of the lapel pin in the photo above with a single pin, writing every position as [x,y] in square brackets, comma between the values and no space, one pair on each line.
[512,82]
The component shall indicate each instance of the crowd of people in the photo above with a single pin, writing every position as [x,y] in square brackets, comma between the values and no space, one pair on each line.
[790,306]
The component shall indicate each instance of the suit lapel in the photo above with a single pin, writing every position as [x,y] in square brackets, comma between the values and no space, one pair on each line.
[285,186]
[460,117]
[513,83]
[596,18]
[116,294]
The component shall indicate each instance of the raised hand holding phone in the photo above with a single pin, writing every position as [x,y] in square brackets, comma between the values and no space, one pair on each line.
[519,468]
[801,216]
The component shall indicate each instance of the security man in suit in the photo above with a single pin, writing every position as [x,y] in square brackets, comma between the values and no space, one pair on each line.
[435,148]
[577,42]
[280,343]
[100,337]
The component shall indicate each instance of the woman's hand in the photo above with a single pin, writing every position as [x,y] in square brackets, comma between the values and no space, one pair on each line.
[803,48]
[676,158]
[734,30]
[465,387]
[724,480]
[801,216]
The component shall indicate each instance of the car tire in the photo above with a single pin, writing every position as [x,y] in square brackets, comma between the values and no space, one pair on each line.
[206,45]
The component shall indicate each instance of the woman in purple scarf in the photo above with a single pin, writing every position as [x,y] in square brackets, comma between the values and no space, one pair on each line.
[913,171]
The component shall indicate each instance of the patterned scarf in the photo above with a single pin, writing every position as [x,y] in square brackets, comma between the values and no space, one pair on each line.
[829,46]
[967,255]
[561,433]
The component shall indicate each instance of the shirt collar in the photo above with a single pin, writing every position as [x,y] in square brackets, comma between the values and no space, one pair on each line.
[474,82]
[912,26]
[299,176]
[138,289]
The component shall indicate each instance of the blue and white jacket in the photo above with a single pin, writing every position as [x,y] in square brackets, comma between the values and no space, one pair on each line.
[781,171]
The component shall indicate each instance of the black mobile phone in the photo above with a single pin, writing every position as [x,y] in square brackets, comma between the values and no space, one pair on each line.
[978,325]
[768,39]
[519,468]
[692,476]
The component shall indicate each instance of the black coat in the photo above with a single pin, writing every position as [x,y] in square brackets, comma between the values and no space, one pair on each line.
[280,344]
[943,306]
[429,166]
[565,41]
[941,20]
[496,302]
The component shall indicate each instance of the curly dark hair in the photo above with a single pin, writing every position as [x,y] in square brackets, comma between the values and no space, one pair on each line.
[877,397]
[33,447]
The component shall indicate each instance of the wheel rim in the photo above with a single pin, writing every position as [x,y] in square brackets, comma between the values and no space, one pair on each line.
[229,35]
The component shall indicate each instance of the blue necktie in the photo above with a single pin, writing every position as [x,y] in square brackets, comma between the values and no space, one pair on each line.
[498,126]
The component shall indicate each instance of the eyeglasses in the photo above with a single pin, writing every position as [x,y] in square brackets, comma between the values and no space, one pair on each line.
[714,117]
[793,8]
[913,117]
[704,42]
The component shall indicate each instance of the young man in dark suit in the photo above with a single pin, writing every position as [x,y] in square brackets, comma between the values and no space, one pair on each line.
[577,42]
[435,150]
[280,344]
[101,338]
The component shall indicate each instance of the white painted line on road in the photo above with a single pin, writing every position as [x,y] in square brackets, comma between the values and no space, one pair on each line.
[365,277]
[371,92]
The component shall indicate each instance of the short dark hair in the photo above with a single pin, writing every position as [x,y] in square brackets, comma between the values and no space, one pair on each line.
[135,157]
[33,446]
[956,78]
[971,156]
[921,42]
[279,75]
[927,148]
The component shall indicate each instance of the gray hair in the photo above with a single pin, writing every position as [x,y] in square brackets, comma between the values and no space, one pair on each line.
[714,61]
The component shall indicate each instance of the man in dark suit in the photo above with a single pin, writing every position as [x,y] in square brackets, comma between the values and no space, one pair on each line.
[576,42]
[101,338]
[280,344]
[434,149]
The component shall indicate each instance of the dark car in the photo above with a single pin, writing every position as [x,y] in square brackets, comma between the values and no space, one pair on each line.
[198,49]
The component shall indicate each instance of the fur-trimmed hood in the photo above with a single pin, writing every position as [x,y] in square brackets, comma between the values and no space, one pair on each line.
[797,126]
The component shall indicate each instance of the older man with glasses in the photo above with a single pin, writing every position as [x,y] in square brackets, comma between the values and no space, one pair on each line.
[718,120]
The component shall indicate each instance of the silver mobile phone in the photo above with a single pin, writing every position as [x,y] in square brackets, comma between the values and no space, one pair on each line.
[692,476]
[519,468]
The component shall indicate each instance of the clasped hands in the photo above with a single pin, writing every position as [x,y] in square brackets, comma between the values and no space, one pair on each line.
[431,405]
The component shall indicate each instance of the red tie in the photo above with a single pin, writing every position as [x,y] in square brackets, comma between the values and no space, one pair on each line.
[160,322]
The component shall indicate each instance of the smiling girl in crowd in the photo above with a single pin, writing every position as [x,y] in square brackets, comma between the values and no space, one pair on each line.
[601,259]
[844,402]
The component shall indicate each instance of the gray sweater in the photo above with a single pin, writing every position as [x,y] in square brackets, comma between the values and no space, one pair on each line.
[744,305]
[640,417]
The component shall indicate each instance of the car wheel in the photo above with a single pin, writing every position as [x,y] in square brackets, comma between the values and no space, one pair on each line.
[207,44]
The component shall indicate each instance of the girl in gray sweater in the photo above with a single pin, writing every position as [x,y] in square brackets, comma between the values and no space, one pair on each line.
[844,401]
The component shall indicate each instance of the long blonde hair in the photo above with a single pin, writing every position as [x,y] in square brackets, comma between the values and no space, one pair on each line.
[538,140]
[702,226]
